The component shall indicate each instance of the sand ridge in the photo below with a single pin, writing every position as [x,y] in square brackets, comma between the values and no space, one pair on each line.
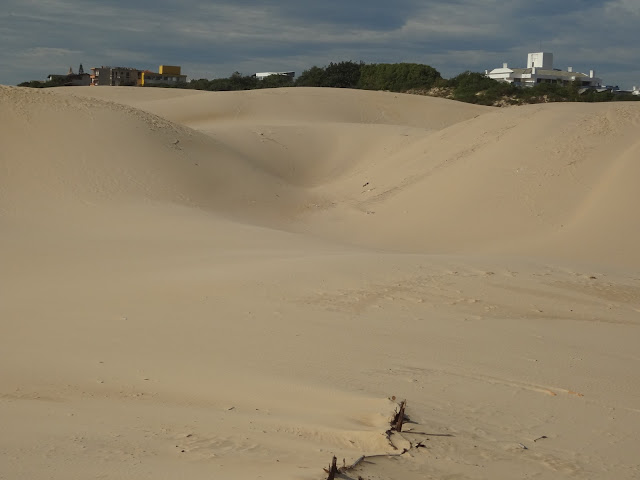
[235,283]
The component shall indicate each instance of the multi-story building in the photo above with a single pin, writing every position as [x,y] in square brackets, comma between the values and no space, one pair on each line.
[114,76]
[166,75]
[540,69]
[121,76]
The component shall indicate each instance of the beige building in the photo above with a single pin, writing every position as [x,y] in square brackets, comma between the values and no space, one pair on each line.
[114,76]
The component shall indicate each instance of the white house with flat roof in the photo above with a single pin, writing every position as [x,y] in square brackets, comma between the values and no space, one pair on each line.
[540,69]
[263,75]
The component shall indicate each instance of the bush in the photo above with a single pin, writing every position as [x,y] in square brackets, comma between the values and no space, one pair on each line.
[475,87]
[275,81]
[398,77]
[336,75]
[56,82]
[343,74]
[313,77]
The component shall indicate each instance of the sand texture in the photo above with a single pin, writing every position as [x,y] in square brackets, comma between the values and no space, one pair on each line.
[242,285]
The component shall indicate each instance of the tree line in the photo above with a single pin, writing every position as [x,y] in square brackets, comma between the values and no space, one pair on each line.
[474,87]
[470,87]
[397,77]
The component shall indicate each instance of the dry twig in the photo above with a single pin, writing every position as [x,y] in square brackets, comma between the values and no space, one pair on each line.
[333,469]
[399,418]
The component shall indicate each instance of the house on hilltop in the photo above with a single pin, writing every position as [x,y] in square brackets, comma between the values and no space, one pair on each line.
[540,69]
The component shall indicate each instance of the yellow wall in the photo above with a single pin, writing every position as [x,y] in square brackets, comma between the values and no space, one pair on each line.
[169,70]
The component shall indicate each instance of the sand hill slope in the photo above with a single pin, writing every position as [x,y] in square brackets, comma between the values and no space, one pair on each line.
[436,176]
[235,283]
[97,151]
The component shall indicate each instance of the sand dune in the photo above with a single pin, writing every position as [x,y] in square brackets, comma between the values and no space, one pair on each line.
[290,106]
[235,283]
[530,173]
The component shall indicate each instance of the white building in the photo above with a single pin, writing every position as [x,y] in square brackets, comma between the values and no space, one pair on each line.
[540,69]
[636,90]
[263,75]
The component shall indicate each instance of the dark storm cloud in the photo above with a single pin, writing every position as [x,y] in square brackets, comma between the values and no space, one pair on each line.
[216,38]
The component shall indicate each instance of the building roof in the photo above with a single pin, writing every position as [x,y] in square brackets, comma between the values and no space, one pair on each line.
[267,74]
[68,75]
[553,73]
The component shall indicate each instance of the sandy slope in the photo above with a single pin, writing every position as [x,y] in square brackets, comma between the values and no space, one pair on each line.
[202,284]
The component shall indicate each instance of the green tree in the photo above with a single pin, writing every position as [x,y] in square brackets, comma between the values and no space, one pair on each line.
[398,77]
[200,84]
[275,81]
[342,74]
[336,75]
[237,81]
[475,87]
[313,77]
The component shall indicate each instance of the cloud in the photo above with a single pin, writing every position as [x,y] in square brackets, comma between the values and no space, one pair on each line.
[214,39]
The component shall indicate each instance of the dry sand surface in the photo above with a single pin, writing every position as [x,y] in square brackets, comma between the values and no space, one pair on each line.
[234,285]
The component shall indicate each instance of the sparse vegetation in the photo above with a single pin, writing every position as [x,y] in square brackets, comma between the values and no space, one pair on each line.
[474,87]
[237,81]
[56,82]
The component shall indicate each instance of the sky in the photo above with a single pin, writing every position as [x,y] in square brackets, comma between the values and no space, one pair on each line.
[213,39]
